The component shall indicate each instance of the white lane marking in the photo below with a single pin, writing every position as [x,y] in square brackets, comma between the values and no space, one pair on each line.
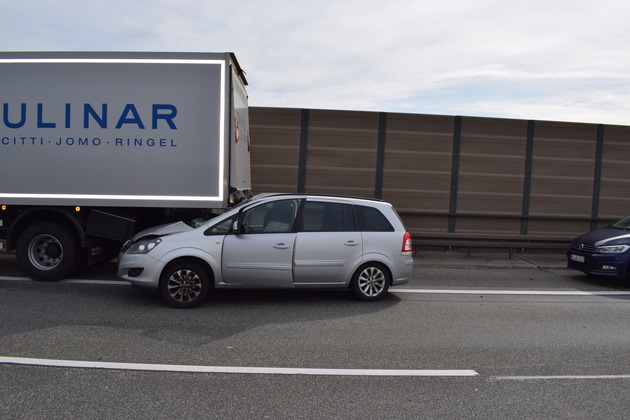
[234,369]
[395,290]
[552,377]
[102,282]
[515,292]
[9,278]
[287,371]
[73,281]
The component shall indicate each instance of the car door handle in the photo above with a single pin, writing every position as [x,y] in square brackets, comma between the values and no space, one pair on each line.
[281,246]
[351,243]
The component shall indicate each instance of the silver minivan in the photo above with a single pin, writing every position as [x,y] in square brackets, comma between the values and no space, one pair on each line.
[275,241]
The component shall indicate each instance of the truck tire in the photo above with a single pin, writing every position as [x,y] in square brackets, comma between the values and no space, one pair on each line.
[47,251]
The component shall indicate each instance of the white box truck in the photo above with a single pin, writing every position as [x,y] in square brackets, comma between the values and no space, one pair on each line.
[97,146]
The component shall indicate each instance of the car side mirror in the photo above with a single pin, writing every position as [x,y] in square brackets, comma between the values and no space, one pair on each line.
[236,227]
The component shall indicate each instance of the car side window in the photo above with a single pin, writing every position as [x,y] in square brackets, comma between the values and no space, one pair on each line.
[221,228]
[273,217]
[372,220]
[327,217]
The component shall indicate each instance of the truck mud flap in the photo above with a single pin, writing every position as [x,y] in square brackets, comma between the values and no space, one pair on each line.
[110,225]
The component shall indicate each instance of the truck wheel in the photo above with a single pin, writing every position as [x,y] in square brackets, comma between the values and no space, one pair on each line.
[370,282]
[185,285]
[47,251]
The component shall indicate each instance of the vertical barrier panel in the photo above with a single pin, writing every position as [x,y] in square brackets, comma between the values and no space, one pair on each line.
[417,169]
[614,197]
[562,178]
[577,173]
[342,149]
[275,134]
[491,176]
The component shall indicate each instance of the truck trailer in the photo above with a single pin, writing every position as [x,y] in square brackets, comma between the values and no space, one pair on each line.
[95,147]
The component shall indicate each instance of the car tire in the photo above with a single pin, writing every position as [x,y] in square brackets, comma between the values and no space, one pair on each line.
[185,285]
[371,282]
[47,251]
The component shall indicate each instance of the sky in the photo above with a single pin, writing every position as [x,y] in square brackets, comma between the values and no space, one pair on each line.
[558,60]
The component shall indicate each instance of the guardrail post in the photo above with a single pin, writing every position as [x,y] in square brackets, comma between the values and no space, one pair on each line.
[527,184]
[597,177]
[303,151]
[457,143]
[380,155]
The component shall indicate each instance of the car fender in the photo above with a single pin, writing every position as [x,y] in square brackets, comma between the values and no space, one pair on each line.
[190,252]
[376,257]
[399,274]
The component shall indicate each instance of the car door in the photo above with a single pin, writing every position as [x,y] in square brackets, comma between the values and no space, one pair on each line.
[328,246]
[261,253]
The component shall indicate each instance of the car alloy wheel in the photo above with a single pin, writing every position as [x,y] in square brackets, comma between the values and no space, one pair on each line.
[371,282]
[185,285]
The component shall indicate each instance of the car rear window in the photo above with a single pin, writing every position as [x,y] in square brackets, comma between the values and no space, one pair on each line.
[372,220]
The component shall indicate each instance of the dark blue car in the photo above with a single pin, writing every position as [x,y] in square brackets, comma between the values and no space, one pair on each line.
[603,252]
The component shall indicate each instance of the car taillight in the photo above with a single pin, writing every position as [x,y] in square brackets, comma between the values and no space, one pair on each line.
[407,244]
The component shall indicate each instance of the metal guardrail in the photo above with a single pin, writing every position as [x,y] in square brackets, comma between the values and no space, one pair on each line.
[511,244]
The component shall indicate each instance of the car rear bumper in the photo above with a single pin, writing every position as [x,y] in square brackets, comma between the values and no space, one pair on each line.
[403,275]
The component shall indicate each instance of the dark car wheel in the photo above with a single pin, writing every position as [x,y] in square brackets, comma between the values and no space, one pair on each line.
[370,282]
[185,285]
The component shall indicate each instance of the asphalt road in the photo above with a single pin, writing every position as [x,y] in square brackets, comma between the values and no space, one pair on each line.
[455,343]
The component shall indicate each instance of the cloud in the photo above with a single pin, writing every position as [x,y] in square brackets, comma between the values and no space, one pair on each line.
[534,59]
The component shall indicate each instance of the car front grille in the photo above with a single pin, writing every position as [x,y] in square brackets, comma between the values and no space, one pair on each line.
[583,248]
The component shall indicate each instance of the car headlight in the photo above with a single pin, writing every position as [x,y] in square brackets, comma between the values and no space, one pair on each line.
[612,249]
[143,246]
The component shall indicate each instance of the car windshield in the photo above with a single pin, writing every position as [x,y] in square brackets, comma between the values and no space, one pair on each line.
[202,221]
[622,224]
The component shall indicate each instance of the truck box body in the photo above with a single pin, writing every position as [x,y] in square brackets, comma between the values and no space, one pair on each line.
[118,135]
[118,130]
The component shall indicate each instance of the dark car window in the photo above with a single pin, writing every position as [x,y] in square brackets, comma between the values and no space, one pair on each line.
[327,217]
[221,228]
[623,223]
[372,220]
[273,217]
